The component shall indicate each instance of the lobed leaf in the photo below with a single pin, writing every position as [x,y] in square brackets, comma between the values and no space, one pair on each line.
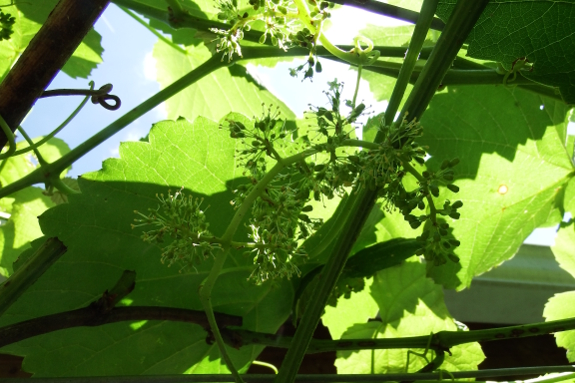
[95,226]
[24,206]
[409,305]
[539,30]
[513,167]
[228,89]
[562,306]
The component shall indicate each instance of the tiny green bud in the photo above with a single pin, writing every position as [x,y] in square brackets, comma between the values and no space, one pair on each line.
[454,215]
[262,39]
[454,162]
[454,242]
[457,204]
[307,208]
[434,190]
[453,188]
[445,164]
[318,68]
[454,258]
[414,224]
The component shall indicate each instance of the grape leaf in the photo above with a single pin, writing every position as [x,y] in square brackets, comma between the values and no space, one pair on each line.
[226,90]
[29,18]
[540,30]
[562,306]
[359,308]
[24,206]
[409,305]
[563,248]
[95,226]
[503,137]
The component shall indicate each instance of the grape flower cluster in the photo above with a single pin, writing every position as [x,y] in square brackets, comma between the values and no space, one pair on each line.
[281,26]
[287,169]
[180,217]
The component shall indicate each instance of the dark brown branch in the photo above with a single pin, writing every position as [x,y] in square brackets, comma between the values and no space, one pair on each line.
[47,53]
[93,316]
[102,311]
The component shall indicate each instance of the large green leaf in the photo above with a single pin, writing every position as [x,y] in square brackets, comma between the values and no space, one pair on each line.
[359,308]
[226,90]
[540,30]
[29,18]
[95,226]
[564,248]
[511,144]
[409,305]
[24,206]
[562,306]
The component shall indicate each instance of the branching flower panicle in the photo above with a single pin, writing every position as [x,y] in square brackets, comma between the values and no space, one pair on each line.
[279,204]
[384,170]
[278,223]
[181,218]
[279,18]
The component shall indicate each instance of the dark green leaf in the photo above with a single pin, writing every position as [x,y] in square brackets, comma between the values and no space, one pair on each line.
[510,30]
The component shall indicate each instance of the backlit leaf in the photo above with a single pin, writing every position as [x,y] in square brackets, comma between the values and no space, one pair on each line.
[511,30]
[95,226]
[511,144]
[410,304]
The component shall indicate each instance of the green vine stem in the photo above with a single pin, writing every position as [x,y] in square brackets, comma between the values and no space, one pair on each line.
[176,10]
[57,130]
[488,76]
[205,292]
[31,145]
[442,340]
[40,175]
[418,38]
[208,284]
[466,15]
[360,208]
[435,377]
[462,78]
[40,261]
[11,139]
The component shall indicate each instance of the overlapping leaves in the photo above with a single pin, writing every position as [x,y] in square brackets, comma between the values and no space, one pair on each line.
[95,226]
[227,89]
[514,164]
[29,18]
[409,304]
[22,208]
[540,30]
